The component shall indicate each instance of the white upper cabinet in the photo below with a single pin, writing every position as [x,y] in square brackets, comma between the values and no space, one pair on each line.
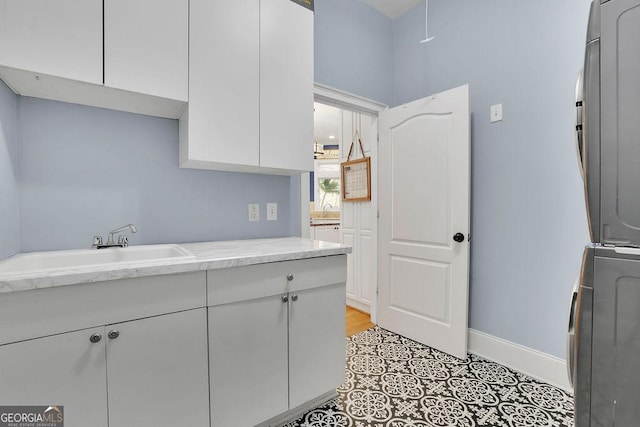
[222,126]
[59,38]
[146,46]
[250,87]
[58,50]
[286,85]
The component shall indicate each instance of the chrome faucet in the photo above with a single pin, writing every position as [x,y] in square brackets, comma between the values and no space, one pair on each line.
[123,241]
[324,209]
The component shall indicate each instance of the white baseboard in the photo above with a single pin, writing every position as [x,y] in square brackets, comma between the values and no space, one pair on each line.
[534,363]
[358,305]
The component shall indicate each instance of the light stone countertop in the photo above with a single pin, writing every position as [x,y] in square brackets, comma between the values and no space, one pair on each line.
[208,256]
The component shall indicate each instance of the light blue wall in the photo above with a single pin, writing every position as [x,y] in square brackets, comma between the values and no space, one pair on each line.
[9,220]
[294,206]
[353,48]
[528,216]
[85,170]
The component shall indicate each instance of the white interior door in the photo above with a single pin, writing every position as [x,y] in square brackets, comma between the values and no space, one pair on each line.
[424,158]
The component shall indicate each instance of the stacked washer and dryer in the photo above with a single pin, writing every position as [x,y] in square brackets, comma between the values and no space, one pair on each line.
[604,325]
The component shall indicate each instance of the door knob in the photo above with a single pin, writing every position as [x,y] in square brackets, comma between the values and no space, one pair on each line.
[95,338]
[458,237]
[113,334]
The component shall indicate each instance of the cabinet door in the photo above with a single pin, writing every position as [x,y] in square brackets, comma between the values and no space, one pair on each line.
[66,370]
[61,38]
[248,361]
[146,44]
[224,90]
[286,85]
[316,342]
[156,371]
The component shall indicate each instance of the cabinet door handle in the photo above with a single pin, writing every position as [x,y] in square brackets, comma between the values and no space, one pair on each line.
[284,298]
[294,297]
[94,338]
[290,277]
[113,334]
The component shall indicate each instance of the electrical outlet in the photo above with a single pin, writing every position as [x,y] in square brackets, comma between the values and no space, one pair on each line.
[496,113]
[254,212]
[272,211]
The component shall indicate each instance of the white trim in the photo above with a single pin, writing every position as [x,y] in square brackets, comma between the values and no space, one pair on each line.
[341,99]
[536,364]
[358,305]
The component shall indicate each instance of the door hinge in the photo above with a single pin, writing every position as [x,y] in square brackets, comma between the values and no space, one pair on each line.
[378,216]
[469,237]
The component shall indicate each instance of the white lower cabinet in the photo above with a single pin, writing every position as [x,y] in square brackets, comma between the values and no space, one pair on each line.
[65,369]
[231,347]
[248,361]
[271,354]
[316,342]
[157,371]
[148,372]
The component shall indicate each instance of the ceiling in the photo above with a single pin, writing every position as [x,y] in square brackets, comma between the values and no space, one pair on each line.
[392,8]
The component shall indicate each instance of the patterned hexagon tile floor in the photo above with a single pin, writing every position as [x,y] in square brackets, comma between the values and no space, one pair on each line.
[392,381]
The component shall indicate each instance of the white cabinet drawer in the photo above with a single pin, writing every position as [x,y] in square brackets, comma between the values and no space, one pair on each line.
[49,311]
[261,280]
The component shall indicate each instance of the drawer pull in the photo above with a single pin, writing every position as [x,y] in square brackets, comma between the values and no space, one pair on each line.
[95,338]
[290,277]
[285,298]
[113,334]
[294,297]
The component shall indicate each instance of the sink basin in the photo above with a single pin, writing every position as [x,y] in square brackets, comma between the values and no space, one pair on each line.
[41,262]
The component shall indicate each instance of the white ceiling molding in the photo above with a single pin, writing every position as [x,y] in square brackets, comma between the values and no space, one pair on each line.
[348,101]
[392,8]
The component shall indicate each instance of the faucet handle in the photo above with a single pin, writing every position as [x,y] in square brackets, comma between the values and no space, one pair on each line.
[123,241]
[97,241]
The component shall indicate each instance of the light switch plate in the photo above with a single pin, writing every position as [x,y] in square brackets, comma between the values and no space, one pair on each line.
[496,113]
[254,212]
[272,211]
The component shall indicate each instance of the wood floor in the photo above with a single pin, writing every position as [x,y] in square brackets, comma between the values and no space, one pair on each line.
[357,321]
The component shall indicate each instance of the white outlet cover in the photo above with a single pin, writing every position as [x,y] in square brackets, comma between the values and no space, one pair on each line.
[272,211]
[254,212]
[496,113]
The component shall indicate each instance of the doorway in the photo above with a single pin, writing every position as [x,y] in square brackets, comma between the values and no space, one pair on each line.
[357,220]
